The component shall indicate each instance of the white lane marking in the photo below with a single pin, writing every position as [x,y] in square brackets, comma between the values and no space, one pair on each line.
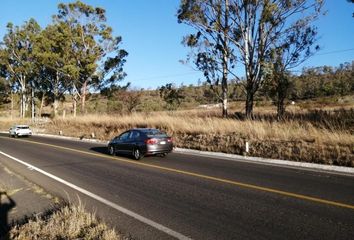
[103,200]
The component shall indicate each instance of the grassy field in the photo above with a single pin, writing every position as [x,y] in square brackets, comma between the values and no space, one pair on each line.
[312,132]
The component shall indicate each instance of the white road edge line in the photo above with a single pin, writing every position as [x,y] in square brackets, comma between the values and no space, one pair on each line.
[103,200]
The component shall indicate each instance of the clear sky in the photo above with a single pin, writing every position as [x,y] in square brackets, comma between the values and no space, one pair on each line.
[152,36]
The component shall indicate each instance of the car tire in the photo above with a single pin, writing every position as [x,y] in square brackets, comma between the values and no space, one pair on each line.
[137,154]
[111,150]
[163,155]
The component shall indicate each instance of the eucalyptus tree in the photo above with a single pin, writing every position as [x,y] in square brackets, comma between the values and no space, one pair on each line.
[261,24]
[297,45]
[56,63]
[214,54]
[17,58]
[96,51]
[245,31]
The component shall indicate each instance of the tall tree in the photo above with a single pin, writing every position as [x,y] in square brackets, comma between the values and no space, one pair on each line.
[260,24]
[214,56]
[287,53]
[56,63]
[17,57]
[250,27]
[96,50]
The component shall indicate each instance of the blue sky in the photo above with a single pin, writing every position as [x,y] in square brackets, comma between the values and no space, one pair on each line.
[152,36]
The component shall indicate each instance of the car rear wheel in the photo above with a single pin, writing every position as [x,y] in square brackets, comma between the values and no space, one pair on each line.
[163,155]
[111,150]
[137,154]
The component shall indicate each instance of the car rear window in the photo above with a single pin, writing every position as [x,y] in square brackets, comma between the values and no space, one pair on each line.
[155,133]
[22,127]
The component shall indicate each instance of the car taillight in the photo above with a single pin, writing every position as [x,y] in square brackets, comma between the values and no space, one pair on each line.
[169,140]
[151,141]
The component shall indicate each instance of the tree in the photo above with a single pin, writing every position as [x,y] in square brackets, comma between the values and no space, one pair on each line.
[93,47]
[171,95]
[287,53]
[17,58]
[250,27]
[258,25]
[56,62]
[131,99]
[214,56]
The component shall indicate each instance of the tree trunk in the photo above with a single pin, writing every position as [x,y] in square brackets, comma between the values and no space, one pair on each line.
[55,105]
[225,62]
[83,97]
[224,105]
[42,104]
[282,93]
[12,104]
[23,97]
[224,88]
[23,104]
[74,105]
[249,104]
[280,109]
[32,105]
[56,95]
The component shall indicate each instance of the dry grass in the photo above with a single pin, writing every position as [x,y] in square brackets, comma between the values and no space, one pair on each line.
[7,122]
[68,222]
[311,136]
[106,126]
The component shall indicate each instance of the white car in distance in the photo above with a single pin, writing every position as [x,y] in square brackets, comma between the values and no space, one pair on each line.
[20,130]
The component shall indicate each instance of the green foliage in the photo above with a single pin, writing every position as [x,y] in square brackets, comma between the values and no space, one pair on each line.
[17,59]
[247,31]
[4,91]
[93,44]
[211,49]
[114,106]
[76,52]
[172,96]
[324,81]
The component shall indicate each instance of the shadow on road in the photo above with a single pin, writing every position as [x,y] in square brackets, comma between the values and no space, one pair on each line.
[5,208]
[102,150]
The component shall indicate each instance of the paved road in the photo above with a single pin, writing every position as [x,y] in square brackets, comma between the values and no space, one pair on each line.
[186,196]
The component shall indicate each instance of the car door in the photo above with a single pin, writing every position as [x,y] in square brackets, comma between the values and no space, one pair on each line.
[132,142]
[121,142]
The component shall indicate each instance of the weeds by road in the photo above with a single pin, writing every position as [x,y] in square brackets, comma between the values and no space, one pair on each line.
[69,222]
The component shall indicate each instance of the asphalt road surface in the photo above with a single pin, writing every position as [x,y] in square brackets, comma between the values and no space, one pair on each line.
[187,196]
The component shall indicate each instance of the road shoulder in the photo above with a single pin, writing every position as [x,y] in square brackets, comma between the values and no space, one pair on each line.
[20,200]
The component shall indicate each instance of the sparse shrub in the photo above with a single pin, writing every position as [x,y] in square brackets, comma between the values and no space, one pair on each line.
[69,222]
